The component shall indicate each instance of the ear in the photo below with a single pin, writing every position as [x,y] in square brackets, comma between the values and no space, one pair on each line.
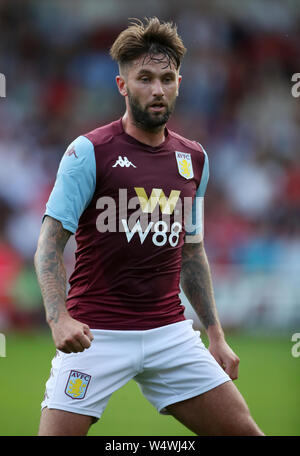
[121,85]
[179,82]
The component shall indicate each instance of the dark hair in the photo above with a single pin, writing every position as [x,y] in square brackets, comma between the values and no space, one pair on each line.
[150,38]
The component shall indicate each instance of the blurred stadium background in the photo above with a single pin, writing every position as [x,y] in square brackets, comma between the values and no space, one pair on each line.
[236,99]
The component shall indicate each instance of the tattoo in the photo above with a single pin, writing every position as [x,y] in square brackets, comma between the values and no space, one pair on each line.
[50,269]
[196,283]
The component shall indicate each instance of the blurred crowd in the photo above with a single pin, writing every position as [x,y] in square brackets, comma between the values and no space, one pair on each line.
[235,99]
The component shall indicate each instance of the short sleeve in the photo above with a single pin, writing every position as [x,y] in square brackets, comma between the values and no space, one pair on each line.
[194,227]
[75,184]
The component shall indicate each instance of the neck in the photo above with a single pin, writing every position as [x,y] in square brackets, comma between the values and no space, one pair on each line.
[152,138]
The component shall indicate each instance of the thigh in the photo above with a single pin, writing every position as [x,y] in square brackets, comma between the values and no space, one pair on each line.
[177,366]
[82,383]
[62,423]
[222,411]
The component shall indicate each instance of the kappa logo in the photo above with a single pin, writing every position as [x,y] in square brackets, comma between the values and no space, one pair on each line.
[185,166]
[77,384]
[71,152]
[123,162]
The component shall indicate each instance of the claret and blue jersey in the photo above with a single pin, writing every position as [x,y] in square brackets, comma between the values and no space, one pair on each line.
[131,207]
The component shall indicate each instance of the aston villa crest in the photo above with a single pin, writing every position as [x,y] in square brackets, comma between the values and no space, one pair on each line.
[77,384]
[184,163]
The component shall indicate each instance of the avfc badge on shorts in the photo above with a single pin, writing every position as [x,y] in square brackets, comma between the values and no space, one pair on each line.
[77,384]
[184,163]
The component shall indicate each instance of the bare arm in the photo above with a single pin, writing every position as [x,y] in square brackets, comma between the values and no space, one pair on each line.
[197,285]
[50,269]
[69,335]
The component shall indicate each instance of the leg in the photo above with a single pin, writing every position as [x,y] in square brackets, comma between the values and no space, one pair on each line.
[61,423]
[105,363]
[222,411]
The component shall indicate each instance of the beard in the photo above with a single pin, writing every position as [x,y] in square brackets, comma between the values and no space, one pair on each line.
[143,118]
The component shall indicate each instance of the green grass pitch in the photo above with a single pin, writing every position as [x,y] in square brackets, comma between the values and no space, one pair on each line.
[269,380]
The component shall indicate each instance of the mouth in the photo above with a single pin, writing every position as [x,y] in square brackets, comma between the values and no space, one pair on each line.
[157,106]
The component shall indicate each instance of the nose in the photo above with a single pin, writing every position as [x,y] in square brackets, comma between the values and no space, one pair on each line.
[157,89]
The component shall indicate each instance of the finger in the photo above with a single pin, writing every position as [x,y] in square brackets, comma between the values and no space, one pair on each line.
[235,373]
[63,349]
[73,346]
[88,332]
[232,369]
[84,341]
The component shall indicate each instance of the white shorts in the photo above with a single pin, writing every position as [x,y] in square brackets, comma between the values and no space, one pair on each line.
[170,364]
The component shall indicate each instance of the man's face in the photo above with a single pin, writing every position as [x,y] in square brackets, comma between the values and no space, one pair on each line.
[151,87]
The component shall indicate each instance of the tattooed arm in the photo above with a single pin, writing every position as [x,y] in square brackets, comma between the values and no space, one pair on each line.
[197,285]
[69,335]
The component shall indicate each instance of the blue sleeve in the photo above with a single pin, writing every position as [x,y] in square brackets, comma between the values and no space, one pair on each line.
[195,223]
[75,184]
[205,176]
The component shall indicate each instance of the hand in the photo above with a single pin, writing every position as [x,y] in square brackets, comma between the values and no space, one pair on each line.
[70,335]
[227,359]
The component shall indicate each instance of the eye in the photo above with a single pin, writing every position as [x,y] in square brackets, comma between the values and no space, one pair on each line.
[145,79]
[168,79]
